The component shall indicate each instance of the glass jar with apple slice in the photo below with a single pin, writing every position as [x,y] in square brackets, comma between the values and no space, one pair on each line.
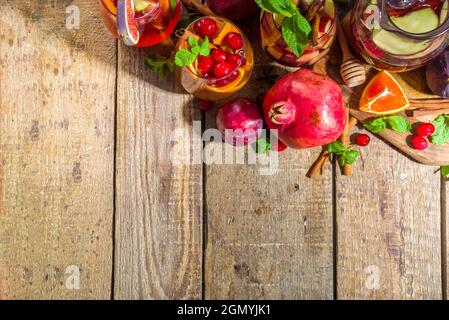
[321,15]
[398,35]
[214,59]
[140,23]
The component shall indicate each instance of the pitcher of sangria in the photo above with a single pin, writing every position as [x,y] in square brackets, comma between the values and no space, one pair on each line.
[140,23]
[321,15]
[398,35]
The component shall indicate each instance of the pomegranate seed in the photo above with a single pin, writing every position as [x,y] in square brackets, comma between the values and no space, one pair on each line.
[418,143]
[362,140]
[205,27]
[205,105]
[222,69]
[279,147]
[205,64]
[425,130]
[234,40]
[235,60]
[219,55]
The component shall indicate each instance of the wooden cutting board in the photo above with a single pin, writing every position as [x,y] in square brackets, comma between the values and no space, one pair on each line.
[414,85]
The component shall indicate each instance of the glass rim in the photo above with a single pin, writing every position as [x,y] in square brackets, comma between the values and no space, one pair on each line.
[135,19]
[333,23]
[190,28]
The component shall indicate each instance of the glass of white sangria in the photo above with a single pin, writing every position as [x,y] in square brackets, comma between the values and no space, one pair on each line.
[398,35]
[311,24]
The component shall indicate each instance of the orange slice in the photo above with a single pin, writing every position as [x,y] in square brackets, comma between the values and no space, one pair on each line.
[383,95]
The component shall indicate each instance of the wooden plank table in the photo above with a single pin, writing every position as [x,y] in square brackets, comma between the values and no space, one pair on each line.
[92,207]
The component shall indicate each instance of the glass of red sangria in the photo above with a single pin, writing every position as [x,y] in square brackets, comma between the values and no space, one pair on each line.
[141,23]
[321,17]
[214,59]
[398,35]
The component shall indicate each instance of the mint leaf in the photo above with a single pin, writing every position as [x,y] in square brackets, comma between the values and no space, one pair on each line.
[441,134]
[398,123]
[376,125]
[295,37]
[350,156]
[162,66]
[283,7]
[184,58]
[344,154]
[263,146]
[336,147]
[193,42]
[205,48]
[444,171]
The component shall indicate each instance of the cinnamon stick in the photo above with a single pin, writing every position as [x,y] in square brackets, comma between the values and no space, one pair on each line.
[201,8]
[318,165]
[344,139]
[428,112]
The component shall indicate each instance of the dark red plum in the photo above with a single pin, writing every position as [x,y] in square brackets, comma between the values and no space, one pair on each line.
[233,9]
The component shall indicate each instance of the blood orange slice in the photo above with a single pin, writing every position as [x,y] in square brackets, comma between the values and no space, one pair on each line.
[383,95]
[126,26]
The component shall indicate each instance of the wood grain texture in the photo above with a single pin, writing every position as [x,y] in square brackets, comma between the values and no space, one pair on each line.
[56,152]
[268,236]
[388,225]
[158,202]
[445,233]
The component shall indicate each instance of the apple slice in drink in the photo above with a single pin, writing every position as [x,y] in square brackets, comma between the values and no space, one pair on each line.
[419,21]
[126,25]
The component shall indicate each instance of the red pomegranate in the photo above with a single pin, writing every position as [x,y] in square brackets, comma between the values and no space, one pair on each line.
[306,108]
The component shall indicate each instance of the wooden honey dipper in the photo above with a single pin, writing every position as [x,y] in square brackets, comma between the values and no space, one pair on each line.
[352,70]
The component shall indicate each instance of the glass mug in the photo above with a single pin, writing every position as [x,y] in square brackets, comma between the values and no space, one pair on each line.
[152,20]
[398,35]
[324,28]
[238,62]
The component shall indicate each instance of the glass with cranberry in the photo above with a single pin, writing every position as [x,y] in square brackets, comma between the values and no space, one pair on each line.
[320,14]
[398,35]
[140,23]
[214,59]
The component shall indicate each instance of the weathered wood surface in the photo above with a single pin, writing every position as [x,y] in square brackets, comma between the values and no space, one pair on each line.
[268,236]
[56,152]
[158,241]
[445,234]
[388,227]
[265,236]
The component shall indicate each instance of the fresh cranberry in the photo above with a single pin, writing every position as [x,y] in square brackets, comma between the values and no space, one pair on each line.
[418,143]
[219,55]
[206,27]
[221,70]
[227,80]
[205,64]
[279,147]
[234,40]
[362,140]
[425,130]
[205,105]
[234,60]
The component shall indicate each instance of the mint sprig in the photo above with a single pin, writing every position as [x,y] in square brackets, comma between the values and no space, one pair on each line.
[441,134]
[444,171]
[295,28]
[344,154]
[185,57]
[396,123]
[161,65]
